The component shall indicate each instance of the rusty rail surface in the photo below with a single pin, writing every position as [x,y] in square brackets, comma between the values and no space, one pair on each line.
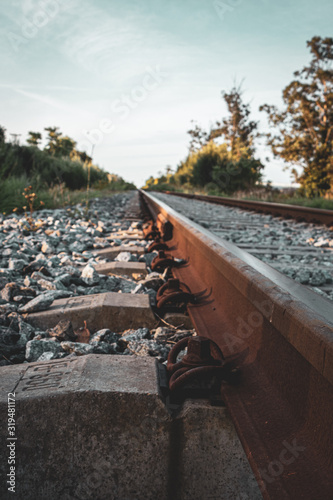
[301,214]
[282,333]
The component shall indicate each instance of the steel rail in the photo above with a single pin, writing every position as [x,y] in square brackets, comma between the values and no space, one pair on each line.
[283,333]
[306,214]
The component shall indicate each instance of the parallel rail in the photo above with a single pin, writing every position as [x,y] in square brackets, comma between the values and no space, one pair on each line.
[306,214]
[283,334]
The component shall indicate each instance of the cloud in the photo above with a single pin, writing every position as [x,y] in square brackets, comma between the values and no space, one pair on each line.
[116,48]
[50,101]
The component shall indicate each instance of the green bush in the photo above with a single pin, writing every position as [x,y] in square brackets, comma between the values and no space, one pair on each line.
[44,169]
[11,193]
[214,166]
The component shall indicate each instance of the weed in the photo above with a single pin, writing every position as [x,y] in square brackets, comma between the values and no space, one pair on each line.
[30,196]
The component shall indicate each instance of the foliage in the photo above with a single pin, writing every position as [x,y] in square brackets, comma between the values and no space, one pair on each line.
[115,183]
[198,138]
[11,193]
[213,168]
[215,164]
[305,126]
[43,168]
[59,164]
[34,138]
[2,135]
[11,199]
[290,196]
[30,197]
[218,168]
[236,130]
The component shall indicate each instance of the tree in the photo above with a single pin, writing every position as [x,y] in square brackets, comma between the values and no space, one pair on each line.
[59,145]
[237,130]
[53,140]
[198,138]
[66,146]
[2,135]
[214,165]
[304,134]
[225,166]
[34,138]
[80,156]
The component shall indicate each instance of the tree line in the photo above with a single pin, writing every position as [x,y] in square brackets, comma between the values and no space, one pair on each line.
[58,162]
[58,165]
[223,159]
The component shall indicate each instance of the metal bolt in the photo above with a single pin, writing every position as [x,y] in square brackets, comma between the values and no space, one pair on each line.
[198,352]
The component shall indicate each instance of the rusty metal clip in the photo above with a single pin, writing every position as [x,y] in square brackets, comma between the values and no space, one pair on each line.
[150,231]
[162,261]
[158,244]
[164,227]
[203,357]
[174,294]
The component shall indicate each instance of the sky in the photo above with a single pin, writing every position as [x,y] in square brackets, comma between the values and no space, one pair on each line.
[124,78]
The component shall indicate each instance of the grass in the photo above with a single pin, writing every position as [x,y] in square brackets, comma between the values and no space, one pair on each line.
[294,199]
[322,203]
[58,196]
[271,195]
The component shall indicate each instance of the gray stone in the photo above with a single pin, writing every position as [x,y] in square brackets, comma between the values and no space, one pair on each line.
[322,242]
[152,280]
[303,276]
[133,335]
[139,289]
[126,286]
[63,331]
[7,308]
[17,264]
[46,356]
[22,299]
[89,275]
[64,279]
[78,348]
[77,247]
[126,257]
[53,261]
[8,291]
[148,348]
[59,294]
[318,278]
[105,335]
[35,348]
[8,337]
[47,248]
[105,348]
[36,275]
[46,284]
[148,258]
[39,303]
[26,329]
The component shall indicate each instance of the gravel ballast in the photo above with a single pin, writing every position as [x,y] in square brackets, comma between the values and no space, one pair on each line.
[57,259]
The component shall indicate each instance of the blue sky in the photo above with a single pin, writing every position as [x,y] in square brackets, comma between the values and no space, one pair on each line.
[129,76]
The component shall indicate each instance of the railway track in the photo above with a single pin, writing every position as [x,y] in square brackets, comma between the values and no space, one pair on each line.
[301,214]
[269,348]
[301,250]
[282,333]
